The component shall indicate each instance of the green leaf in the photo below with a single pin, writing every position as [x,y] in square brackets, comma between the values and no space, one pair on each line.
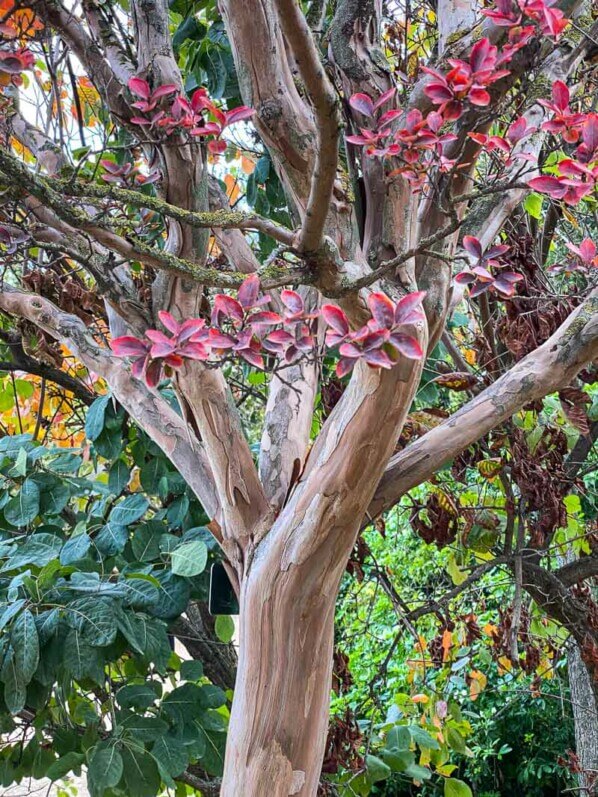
[24,507]
[398,738]
[170,755]
[376,769]
[191,670]
[178,511]
[119,476]
[128,511]
[174,593]
[533,205]
[15,691]
[111,539]
[455,740]
[74,549]
[25,643]
[136,696]
[224,627]
[65,764]
[10,611]
[38,549]
[94,421]
[141,594]
[20,466]
[146,541]
[456,788]
[104,767]
[52,501]
[94,618]
[423,738]
[81,659]
[189,558]
[146,729]
[141,772]
[417,772]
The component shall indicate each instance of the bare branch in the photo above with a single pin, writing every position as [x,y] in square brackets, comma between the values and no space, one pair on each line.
[224,219]
[325,104]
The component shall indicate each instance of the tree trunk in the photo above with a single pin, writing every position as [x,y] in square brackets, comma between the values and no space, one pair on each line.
[279,722]
[585,715]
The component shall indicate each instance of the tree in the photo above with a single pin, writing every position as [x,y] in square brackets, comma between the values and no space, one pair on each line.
[365,226]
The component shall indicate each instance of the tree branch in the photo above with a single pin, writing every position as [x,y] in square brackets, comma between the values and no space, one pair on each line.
[148,408]
[549,367]
[325,103]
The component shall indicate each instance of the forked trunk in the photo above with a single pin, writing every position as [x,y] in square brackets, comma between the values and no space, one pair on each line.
[277,732]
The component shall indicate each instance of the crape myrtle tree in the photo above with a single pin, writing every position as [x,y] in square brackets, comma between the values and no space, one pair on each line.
[404,141]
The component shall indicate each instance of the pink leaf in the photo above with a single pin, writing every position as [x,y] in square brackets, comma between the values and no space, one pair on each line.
[350,350]
[478,55]
[362,103]
[479,96]
[407,346]
[162,348]
[464,278]
[265,318]
[560,95]
[472,245]
[292,301]
[128,346]
[164,91]
[496,251]
[382,309]
[153,373]
[359,141]
[217,147]
[239,114]
[547,184]
[228,306]
[249,290]
[344,366]
[388,117]
[194,351]
[190,328]
[171,324]
[378,359]
[252,357]
[139,87]
[336,319]
[220,340]
[384,97]
[407,305]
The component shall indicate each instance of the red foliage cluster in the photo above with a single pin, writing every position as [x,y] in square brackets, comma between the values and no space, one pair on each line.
[240,327]
[526,323]
[576,176]
[380,342]
[480,277]
[467,81]
[419,144]
[501,640]
[127,174]
[343,744]
[197,116]
[13,62]
[584,257]
[542,482]
[551,21]
[442,521]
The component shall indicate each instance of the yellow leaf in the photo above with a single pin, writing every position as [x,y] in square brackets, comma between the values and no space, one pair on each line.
[247,164]
[470,356]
